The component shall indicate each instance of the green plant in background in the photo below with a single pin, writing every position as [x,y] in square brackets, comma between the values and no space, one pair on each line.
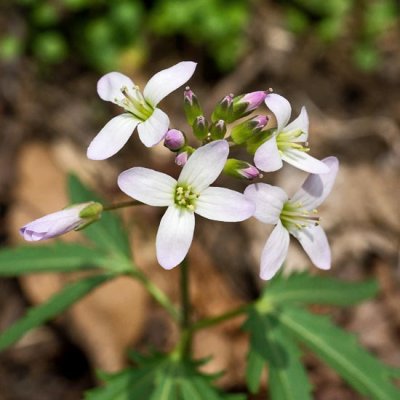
[107,34]
[331,20]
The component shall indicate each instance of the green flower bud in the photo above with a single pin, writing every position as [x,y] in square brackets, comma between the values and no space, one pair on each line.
[247,129]
[218,129]
[223,110]
[241,169]
[200,127]
[191,106]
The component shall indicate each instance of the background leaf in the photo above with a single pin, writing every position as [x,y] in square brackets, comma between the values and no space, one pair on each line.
[58,257]
[107,233]
[341,351]
[48,310]
[159,377]
[303,288]
[287,377]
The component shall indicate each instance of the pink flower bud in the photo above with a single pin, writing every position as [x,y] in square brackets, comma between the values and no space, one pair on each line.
[174,139]
[181,158]
[253,100]
[61,222]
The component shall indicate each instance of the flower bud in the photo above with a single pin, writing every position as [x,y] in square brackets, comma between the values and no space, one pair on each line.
[191,105]
[244,131]
[224,109]
[243,105]
[174,140]
[218,129]
[241,169]
[75,217]
[183,155]
[200,127]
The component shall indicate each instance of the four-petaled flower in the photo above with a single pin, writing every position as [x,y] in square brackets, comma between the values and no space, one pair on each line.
[60,222]
[288,142]
[188,195]
[140,108]
[296,216]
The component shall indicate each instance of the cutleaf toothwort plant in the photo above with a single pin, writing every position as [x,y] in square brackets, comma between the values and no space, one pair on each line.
[241,130]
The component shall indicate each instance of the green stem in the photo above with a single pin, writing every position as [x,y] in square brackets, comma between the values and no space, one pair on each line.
[123,204]
[186,333]
[208,322]
[158,295]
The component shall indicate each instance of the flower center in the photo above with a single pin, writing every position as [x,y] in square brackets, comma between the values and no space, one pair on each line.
[135,103]
[286,141]
[294,215]
[185,197]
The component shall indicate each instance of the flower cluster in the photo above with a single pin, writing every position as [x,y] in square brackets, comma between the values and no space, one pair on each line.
[234,124]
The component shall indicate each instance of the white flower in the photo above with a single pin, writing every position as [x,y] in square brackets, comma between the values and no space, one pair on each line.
[286,142]
[140,108]
[296,216]
[188,195]
[60,222]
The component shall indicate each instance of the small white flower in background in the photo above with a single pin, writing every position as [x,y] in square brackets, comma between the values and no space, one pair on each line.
[72,218]
[286,143]
[296,216]
[140,108]
[188,195]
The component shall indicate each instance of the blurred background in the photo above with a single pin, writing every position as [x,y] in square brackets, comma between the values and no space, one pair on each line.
[339,58]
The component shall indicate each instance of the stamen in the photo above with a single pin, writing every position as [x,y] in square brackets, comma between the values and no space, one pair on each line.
[185,197]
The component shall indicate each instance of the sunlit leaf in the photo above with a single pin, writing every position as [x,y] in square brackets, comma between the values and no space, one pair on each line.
[58,257]
[341,351]
[303,288]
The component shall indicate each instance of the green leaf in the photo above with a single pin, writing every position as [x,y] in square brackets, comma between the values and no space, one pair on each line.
[255,366]
[58,257]
[160,377]
[341,351]
[287,377]
[107,233]
[303,288]
[48,310]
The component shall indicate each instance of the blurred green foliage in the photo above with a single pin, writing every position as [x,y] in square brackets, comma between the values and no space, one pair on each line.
[106,34]
[363,22]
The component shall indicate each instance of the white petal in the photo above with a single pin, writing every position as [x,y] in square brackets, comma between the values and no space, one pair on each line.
[148,186]
[109,86]
[168,80]
[220,204]
[174,236]
[316,188]
[274,252]
[305,162]
[267,157]
[269,201]
[302,123]
[112,137]
[153,130]
[205,165]
[315,244]
[281,109]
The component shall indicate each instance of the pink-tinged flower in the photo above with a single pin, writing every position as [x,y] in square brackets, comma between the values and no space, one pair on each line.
[186,196]
[140,108]
[56,224]
[288,142]
[296,216]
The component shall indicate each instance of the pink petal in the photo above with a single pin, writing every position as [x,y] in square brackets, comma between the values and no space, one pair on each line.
[112,137]
[274,252]
[267,156]
[269,201]
[109,86]
[302,123]
[304,161]
[315,244]
[205,165]
[281,109]
[174,236]
[148,186]
[168,80]
[316,188]
[220,204]
[153,130]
